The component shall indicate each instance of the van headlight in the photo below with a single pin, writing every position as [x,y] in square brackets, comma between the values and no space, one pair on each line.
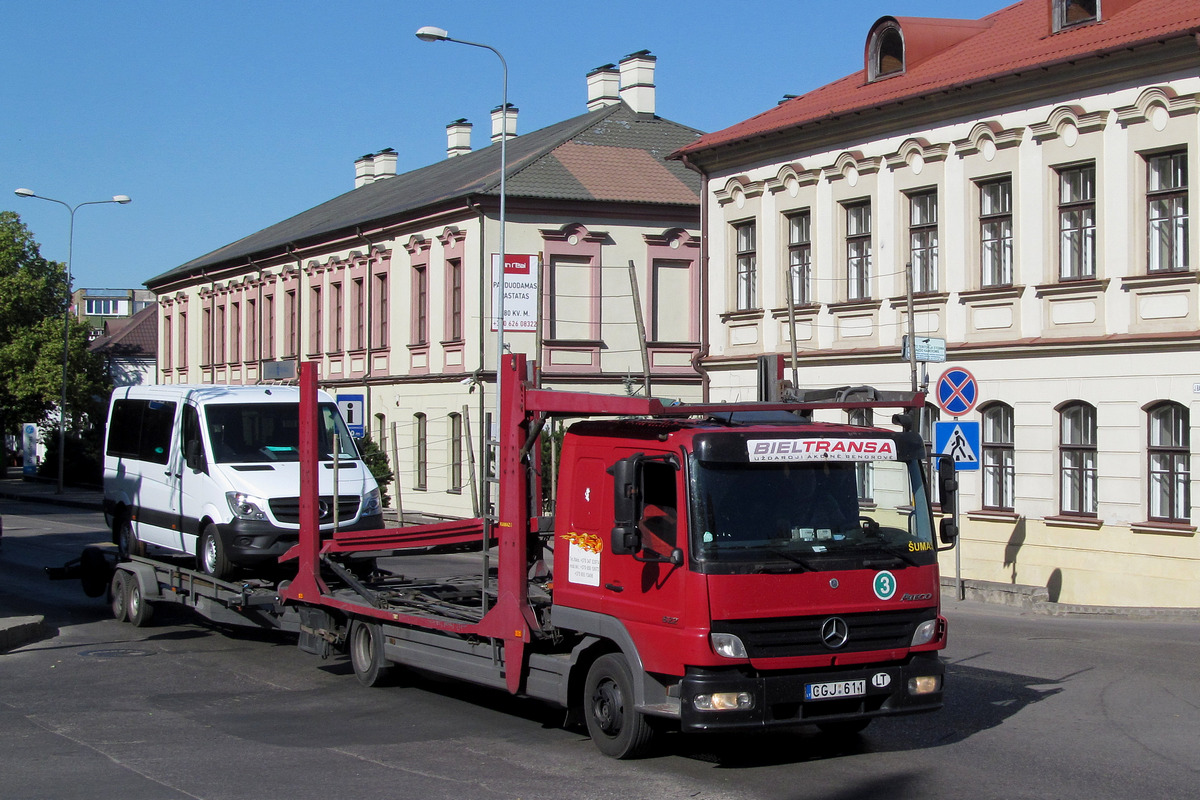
[246,506]
[372,504]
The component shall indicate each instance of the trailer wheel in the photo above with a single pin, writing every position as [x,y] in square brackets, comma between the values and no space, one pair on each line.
[118,596]
[211,555]
[366,654]
[127,541]
[618,729]
[137,608]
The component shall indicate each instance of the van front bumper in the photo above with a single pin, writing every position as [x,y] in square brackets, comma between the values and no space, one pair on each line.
[249,542]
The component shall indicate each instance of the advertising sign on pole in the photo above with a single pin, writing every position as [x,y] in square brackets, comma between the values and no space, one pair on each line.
[520,291]
[29,445]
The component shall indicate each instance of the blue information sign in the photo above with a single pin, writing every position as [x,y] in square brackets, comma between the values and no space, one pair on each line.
[354,413]
[959,440]
[957,391]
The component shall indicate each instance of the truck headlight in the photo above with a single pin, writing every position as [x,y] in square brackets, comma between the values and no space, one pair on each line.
[924,684]
[727,645]
[925,632]
[372,504]
[246,506]
[724,701]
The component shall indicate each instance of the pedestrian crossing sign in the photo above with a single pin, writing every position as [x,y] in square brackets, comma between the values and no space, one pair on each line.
[960,441]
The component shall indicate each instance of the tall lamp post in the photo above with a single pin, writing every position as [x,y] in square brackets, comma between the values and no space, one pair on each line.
[432,34]
[62,409]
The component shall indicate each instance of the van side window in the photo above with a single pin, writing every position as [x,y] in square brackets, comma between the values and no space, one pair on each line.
[191,429]
[141,429]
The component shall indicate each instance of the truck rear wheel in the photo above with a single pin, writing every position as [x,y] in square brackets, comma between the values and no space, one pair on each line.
[211,554]
[366,654]
[618,729]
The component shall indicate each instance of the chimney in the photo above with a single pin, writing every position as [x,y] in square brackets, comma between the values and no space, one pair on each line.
[385,164]
[637,81]
[603,87]
[458,138]
[364,170]
[498,120]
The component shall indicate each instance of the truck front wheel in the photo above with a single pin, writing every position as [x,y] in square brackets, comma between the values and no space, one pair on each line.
[617,728]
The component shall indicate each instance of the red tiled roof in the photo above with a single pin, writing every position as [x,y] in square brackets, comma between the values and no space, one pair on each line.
[1008,42]
[135,336]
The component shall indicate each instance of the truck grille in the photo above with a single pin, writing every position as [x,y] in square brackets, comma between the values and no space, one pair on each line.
[783,637]
[287,509]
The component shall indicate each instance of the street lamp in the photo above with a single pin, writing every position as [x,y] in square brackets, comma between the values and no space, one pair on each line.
[432,34]
[62,409]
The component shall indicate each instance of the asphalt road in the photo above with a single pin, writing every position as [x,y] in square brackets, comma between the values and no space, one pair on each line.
[1037,707]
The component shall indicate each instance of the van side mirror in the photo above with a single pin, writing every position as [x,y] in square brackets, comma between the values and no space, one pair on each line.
[626,538]
[193,456]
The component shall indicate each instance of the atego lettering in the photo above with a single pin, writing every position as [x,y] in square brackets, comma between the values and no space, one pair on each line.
[821,449]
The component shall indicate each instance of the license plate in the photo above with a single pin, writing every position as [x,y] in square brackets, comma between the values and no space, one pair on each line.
[831,691]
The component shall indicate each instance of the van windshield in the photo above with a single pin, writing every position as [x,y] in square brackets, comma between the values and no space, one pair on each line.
[256,433]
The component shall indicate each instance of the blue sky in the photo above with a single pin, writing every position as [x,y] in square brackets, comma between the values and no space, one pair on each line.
[222,117]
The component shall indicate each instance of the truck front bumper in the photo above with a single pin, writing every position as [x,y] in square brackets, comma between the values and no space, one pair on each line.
[781,699]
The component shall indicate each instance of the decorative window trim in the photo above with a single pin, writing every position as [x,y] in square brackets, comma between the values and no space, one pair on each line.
[990,131]
[1065,117]
[1165,97]
[737,190]
[792,176]
[914,148]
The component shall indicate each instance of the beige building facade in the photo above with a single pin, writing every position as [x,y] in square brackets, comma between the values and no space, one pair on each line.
[1032,174]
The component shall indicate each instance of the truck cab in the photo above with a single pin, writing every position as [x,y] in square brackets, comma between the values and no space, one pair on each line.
[755,572]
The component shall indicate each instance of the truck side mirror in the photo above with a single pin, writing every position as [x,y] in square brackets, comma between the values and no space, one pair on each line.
[948,494]
[193,456]
[626,538]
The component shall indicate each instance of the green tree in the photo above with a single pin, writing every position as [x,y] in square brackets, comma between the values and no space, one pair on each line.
[377,461]
[33,298]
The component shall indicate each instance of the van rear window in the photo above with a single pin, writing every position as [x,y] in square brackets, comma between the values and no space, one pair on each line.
[141,429]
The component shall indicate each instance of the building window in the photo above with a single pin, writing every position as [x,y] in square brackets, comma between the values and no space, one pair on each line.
[316,316]
[166,340]
[863,470]
[251,329]
[671,290]
[269,327]
[337,309]
[379,325]
[996,233]
[571,299]
[1167,215]
[999,472]
[181,360]
[359,310]
[1077,222]
[887,50]
[858,251]
[219,333]
[923,241]
[420,299]
[800,257]
[1069,13]
[455,454]
[1077,458]
[420,443]
[291,345]
[454,296]
[102,307]
[235,333]
[746,236]
[1169,448]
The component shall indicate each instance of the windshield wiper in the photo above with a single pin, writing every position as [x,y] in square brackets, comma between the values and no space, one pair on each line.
[791,557]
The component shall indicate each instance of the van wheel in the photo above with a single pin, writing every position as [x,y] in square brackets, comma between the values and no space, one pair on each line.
[126,539]
[211,554]
[118,596]
[366,654]
[618,729]
[139,610]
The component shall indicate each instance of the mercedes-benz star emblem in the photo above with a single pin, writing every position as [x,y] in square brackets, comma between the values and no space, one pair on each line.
[835,632]
[323,508]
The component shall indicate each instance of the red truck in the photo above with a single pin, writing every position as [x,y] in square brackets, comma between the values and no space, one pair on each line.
[705,567]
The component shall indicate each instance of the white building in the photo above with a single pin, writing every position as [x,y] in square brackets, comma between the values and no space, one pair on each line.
[1034,168]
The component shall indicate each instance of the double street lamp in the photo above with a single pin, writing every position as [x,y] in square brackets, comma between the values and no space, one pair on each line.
[62,409]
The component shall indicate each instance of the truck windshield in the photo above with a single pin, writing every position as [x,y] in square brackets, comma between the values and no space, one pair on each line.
[810,515]
[255,433]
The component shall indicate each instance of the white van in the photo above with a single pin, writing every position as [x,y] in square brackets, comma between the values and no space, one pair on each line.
[214,471]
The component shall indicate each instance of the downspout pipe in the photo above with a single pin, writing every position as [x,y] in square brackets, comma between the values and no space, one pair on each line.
[698,359]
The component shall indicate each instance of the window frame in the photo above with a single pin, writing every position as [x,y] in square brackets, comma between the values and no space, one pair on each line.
[1178,239]
[799,261]
[1078,458]
[858,250]
[923,240]
[1080,266]
[745,250]
[995,250]
[1173,491]
[998,456]
[1063,12]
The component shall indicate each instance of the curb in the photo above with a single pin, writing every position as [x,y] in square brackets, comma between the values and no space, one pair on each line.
[18,631]
[1036,599]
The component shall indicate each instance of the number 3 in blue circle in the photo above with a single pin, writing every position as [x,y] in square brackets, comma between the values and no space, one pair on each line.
[885,585]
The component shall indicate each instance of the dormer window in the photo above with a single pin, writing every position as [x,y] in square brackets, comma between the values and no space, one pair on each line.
[1070,13]
[886,52]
